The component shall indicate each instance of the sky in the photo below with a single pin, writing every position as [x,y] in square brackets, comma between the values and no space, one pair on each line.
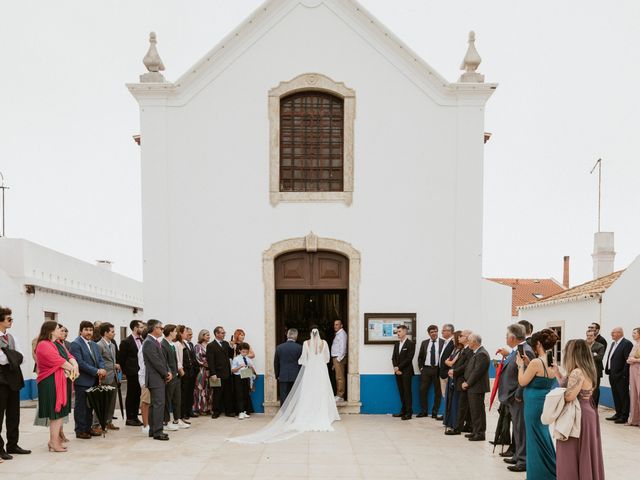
[567,95]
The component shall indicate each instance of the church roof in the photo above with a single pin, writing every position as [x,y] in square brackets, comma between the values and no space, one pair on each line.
[355,15]
[527,290]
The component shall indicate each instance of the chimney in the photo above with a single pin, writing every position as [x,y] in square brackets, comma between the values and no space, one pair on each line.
[565,273]
[104,264]
[603,254]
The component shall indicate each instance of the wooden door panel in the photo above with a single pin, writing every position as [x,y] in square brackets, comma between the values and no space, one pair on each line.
[311,271]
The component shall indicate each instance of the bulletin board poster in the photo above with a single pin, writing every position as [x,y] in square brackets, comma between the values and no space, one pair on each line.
[382,328]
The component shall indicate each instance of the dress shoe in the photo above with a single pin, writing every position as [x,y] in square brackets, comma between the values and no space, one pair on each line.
[510,461]
[452,431]
[215,415]
[477,438]
[232,415]
[421,415]
[18,451]
[468,435]
[406,417]
[4,455]
[133,423]
[96,432]
[111,426]
[163,437]
[83,435]
[617,420]
[439,418]
[612,417]
[398,415]
[517,468]
[508,454]
[466,430]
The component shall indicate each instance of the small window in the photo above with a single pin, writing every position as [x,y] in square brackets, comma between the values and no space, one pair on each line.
[50,317]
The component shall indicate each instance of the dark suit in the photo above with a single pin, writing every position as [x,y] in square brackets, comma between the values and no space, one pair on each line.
[430,374]
[89,363]
[403,359]
[130,367]
[458,380]
[598,351]
[286,366]
[172,390]
[218,358]
[601,339]
[156,372]
[11,381]
[476,375]
[188,385]
[618,370]
[448,350]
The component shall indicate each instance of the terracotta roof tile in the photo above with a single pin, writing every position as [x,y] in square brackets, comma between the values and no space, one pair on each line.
[528,290]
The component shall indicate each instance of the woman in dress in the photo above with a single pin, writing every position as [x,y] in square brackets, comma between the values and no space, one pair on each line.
[580,458]
[310,406]
[538,378]
[451,395]
[56,370]
[202,392]
[634,379]
[236,339]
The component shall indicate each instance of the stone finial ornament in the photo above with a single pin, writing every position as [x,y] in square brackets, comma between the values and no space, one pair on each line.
[471,62]
[153,62]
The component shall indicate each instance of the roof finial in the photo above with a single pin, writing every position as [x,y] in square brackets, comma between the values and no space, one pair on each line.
[153,62]
[471,62]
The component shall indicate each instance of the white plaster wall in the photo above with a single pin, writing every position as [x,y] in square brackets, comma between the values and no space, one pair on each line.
[621,303]
[496,315]
[417,210]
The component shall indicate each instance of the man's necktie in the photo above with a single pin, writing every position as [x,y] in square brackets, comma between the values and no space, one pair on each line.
[432,358]
[245,361]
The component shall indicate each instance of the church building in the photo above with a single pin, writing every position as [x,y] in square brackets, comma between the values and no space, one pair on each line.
[312,167]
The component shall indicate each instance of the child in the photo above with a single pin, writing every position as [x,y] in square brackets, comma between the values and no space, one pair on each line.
[239,363]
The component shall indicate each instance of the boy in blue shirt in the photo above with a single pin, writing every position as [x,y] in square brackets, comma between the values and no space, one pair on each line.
[242,366]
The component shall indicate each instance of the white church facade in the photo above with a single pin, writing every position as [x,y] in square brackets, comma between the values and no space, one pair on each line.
[312,167]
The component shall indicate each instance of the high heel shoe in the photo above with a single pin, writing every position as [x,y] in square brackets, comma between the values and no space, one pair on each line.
[63,439]
[56,449]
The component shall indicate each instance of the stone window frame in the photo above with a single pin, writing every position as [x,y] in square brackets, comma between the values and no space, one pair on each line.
[311,82]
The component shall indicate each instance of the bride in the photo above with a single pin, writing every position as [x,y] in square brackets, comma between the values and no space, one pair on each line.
[310,406]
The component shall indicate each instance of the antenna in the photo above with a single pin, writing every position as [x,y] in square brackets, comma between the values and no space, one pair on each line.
[3,188]
[598,165]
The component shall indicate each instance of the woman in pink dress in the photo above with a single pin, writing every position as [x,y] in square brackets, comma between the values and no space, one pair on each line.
[634,379]
[580,458]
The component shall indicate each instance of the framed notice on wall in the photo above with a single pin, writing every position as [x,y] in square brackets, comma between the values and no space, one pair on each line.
[382,328]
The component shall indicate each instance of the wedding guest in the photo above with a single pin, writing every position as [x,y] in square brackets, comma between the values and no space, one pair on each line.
[157,374]
[108,353]
[447,348]
[218,355]
[189,368]
[452,395]
[429,365]
[236,339]
[145,393]
[56,369]
[173,387]
[96,331]
[91,367]
[618,370]
[241,385]
[528,327]
[11,381]
[402,360]
[339,359]
[285,363]
[510,394]
[202,391]
[580,458]
[457,374]
[595,327]
[538,378]
[476,384]
[598,351]
[65,334]
[129,349]
[634,379]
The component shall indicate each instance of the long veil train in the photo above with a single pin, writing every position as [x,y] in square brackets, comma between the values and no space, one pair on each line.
[310,406]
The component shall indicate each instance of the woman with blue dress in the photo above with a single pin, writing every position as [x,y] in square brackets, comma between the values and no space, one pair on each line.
[538,378]
[451,395]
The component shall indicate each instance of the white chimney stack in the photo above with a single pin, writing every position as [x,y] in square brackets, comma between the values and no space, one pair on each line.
[603,254]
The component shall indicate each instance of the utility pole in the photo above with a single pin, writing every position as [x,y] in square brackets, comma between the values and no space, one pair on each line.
[3,187]
[598,165]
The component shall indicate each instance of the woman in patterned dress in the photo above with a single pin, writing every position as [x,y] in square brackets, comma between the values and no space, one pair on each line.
[202,392]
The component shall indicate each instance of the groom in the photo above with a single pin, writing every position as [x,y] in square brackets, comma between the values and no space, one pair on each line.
[285,363]
[402,359]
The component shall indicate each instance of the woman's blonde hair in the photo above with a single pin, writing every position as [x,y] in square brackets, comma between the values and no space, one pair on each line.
[577,354]
[236,333]
[201,335]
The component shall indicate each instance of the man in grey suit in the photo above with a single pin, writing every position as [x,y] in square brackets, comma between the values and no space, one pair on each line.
[476,384]
[157,374]
[598,351]
[510,393]
[108,352]
[285,363]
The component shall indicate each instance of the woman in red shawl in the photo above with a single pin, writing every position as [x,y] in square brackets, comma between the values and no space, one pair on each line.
[56,369]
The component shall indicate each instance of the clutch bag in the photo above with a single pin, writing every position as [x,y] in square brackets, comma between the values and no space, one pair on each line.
[215,383]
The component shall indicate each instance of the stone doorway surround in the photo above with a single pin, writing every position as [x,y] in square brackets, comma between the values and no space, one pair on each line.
[312,243]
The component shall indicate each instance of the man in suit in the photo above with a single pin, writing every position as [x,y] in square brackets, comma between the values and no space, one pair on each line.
[109,357]
[91,366]
[598,351]
[219,354]
[528,330]
[129,348]
[457,373]
[190,367]
[402,360]
[476,384]
[285,363]
[429,365]
[157,374]
[618,370]
[447,350]
[510,394]
[595,327]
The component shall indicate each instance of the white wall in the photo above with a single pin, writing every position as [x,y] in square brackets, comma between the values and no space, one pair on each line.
[496,315]
[621,305]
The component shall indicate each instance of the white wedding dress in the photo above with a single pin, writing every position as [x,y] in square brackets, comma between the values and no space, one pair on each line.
[310,406]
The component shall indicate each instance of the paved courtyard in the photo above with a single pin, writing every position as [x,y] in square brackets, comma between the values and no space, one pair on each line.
[362,446]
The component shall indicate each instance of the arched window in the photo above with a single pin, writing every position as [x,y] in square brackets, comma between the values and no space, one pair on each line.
[311,142]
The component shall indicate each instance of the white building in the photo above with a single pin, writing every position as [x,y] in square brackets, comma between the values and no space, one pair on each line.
[40,284]
[311,156]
